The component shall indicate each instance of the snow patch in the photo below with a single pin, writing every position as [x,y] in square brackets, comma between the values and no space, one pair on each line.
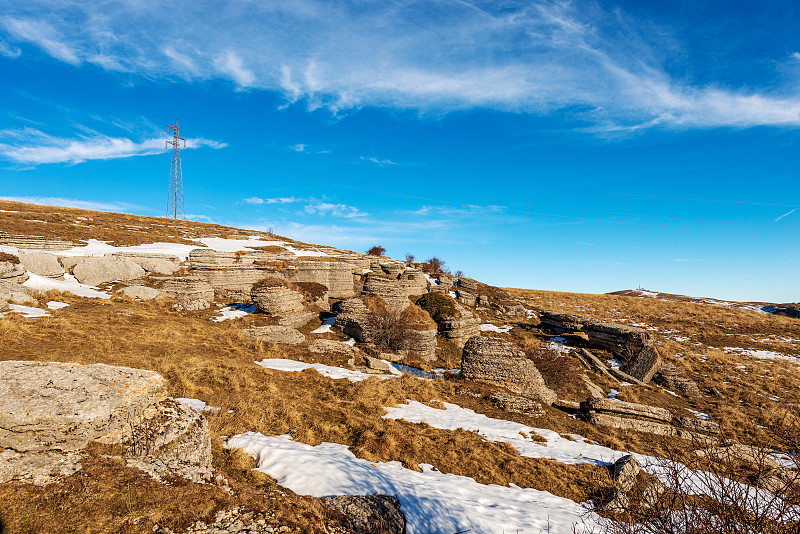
[53,305]
[234,311]
[278,364]
[66,285]
[494,328]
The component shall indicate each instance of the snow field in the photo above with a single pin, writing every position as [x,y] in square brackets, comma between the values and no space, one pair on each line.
[335,373]
[432,502]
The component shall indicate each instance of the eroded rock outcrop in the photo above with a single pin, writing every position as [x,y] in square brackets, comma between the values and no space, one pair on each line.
[669,377]
[34,242]
[274,334]
[94,271]
[50,411]
[11,270]
[42,263]
[635,347]
[370,513]
[186,288]
[499,361]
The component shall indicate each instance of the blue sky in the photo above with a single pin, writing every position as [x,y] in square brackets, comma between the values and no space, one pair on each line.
[576,146]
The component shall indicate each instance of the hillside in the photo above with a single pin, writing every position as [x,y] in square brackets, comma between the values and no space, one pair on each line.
[338,373]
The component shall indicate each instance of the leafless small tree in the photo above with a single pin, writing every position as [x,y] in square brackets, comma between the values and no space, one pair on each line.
[434,265]
[389,330]
[409,258]
[377,250]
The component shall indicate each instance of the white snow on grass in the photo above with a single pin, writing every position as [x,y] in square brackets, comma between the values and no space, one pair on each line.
[556,448]
[234,311]
[66,285]
[431,501]
[760,354]
[487,327]
[53,305]
[700,415]
[278,364]
[198,405]
[580,451]
[28,311]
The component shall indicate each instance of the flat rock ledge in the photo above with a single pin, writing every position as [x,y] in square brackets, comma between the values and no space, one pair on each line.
[275,334]
[50,411]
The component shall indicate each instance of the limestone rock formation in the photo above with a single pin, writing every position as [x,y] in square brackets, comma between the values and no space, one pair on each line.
[669,377]
[353,319]
[64,406]
[499,361]
[388,289]
[370,513]
[11,270]
[42,263]
[274,334]
[140,292]
[625,470]
[191,305]
[276,299]
[618,407]
[186,287]
[412,283]
[329,346]
[163,264]
[100,270]
[34,242]
[459,328]
[516,404]
[16,293]
[635,347]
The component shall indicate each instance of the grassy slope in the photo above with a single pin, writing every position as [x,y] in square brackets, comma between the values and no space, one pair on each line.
[213,362]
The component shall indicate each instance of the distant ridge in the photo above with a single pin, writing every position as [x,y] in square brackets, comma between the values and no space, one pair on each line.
[787,309]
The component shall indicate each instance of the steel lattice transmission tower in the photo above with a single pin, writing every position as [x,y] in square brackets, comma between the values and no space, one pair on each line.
[175,196]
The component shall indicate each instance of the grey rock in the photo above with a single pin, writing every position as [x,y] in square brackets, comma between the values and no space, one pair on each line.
[140,292]
[497,360]
[38,468]
[638,425]
[616,501]
[191,305]
[16,293]
[652,493]
[370,513]
[153,263]
[329,346]
[377,364]
[42,263]
[94,271]
[34,242]
[299,318]
[618,407]
[12,272]
[63,406]
[625,470]
[697,425]
[516,404]
[186,287]
[69,262]
[274,334]
[276,300]
[669,377]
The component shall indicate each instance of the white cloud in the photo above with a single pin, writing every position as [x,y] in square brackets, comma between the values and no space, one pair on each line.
[30,146]
[281,200]
[572,58]
[232,66]
[380,162]
[335,210]
[299,147]
[9,51]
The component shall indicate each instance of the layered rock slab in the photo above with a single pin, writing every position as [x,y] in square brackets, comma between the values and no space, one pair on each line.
[64,406]
[499,361]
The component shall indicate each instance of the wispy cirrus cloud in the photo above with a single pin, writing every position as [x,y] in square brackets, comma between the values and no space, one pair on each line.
[377,161]
[280,200]
[30,146]
[335,210]
[594,64]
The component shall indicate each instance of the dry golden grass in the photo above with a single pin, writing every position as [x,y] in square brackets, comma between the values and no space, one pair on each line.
[692,336]
[213,362]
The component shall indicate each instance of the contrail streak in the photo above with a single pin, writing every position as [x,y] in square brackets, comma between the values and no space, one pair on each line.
[784,215]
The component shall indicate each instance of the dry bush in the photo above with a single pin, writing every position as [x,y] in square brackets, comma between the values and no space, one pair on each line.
[434,265]
[377,250]
[715,489]
[438,305]
[10,258]
[389,330]
[561,373]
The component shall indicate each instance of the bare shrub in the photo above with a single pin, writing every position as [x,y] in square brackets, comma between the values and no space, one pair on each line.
[434,265]
[561,373]
[389,330]
[705,487]
[409,258]
[9,258]
[377,250]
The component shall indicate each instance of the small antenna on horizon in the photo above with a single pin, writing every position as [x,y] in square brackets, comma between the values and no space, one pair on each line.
[175,195]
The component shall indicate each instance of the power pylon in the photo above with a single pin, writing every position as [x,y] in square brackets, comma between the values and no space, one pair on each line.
[175,196]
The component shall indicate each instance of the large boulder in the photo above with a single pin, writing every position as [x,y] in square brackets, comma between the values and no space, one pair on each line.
[370,513]
[64,406]
[43,264]
[11,270]
[669,377]
[50,411]
[275,298]
[186,288]
[13,292]
[94,271]
[140,292]
[164,264]
[499,361]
